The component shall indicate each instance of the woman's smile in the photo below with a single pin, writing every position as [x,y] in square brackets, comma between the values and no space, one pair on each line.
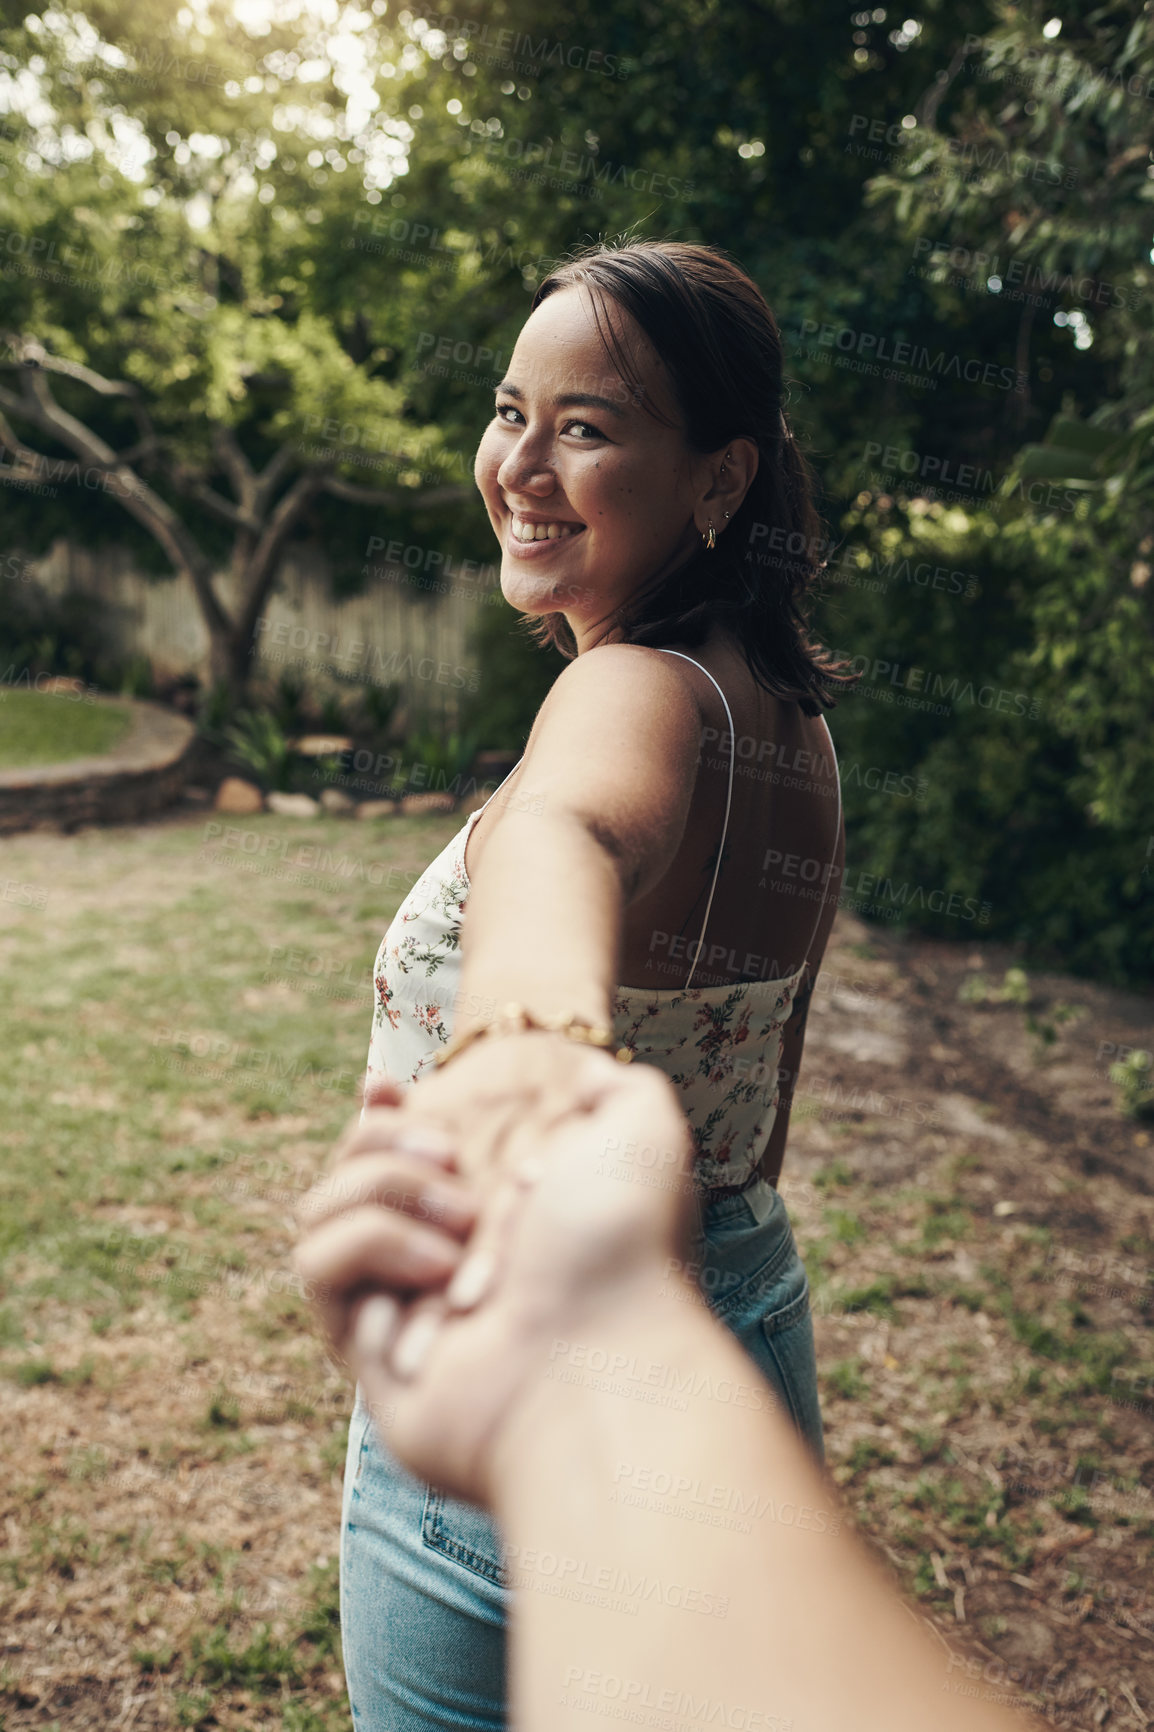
[530,535]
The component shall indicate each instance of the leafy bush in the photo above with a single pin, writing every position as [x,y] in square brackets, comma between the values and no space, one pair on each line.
[1006,670]
[258,741]
[68,634]
[516,676]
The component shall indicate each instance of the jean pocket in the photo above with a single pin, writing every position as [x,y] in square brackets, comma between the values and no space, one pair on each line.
[787,1340]
[464,1533]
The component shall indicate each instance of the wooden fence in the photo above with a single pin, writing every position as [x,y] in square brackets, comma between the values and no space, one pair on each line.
[390,634]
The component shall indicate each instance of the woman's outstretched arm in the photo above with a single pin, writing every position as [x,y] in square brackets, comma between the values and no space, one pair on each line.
[594,821]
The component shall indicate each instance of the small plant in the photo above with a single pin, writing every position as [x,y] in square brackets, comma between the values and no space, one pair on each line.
[1015,989]
[1132,1077]
[1045,1029]
[258,740]
[223,1411]
[288,703]
[215,710]
[379,706]
[440,762]
[136,680]
[333,719]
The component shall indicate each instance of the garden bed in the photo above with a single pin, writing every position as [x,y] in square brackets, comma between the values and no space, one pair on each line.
[87,759]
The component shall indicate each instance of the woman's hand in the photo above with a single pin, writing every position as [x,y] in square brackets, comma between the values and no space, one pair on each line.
[533,1078]
[577,1228]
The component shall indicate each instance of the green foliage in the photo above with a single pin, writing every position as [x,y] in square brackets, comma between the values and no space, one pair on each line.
[258,740]
[1015,989]
[1012,699]
[439,762]
[240,248]
[44,635]
[516,677]
[1132,1078]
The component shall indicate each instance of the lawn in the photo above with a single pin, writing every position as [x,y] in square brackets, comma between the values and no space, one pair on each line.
[51,728]
[184,1014]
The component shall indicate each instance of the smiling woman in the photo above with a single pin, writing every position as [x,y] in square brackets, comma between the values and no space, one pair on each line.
[620,889]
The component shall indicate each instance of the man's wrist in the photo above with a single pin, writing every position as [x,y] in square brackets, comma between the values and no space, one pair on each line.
[653,1320]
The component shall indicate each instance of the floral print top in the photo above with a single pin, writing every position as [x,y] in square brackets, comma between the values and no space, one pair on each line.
[719,1045]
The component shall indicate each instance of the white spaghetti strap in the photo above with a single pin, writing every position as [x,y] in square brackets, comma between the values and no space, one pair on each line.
[836,834]
[500,785]
[728,803]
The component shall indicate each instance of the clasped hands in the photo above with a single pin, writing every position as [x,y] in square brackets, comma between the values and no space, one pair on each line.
[467,1223]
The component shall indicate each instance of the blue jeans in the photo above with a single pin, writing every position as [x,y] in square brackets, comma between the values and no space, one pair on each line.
[423,1600]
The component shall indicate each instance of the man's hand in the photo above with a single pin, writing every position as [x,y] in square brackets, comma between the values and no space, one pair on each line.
[583,1223]
[391,1212]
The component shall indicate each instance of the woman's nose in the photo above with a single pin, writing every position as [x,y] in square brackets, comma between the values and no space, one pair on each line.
[526,469]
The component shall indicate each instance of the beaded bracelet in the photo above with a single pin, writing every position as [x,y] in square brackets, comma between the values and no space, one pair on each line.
[514,1018]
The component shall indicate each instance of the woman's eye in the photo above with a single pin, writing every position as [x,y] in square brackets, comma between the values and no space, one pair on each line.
[586,430]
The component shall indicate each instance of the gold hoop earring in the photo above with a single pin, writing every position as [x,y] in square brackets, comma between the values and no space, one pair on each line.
[710,537]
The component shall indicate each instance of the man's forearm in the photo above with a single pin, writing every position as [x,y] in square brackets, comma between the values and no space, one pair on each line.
[543,924]
[673,1550]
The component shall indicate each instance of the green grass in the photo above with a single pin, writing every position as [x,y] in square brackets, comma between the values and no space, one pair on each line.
[50,728]
[161,1075]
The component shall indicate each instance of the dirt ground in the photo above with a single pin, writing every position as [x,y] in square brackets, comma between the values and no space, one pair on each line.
[976,1213]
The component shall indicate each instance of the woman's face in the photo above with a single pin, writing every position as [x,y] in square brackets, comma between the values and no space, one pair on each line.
[606,490]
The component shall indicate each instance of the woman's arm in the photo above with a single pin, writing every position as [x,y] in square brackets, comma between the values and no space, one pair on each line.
[601,808]
[613,756]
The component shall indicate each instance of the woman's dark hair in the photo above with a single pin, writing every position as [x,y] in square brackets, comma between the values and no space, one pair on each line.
[711,326]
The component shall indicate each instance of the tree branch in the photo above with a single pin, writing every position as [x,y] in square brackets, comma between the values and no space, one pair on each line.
[261,567]
[153,513]
[235,465]
[272,475]
[30,352]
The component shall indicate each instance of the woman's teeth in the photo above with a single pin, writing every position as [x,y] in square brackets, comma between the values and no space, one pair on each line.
[544,531]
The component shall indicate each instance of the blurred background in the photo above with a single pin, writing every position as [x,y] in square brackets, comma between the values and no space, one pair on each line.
[262,264]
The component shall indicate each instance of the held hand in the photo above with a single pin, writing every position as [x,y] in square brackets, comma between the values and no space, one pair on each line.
[391,1211]
[577,1229]
[504,1083]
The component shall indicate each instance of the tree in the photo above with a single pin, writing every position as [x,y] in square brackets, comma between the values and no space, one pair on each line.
[161,350]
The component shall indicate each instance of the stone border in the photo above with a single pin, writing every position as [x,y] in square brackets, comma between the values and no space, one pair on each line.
[141,775]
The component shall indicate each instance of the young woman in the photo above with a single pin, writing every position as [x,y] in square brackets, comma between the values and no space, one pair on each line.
[658,872]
